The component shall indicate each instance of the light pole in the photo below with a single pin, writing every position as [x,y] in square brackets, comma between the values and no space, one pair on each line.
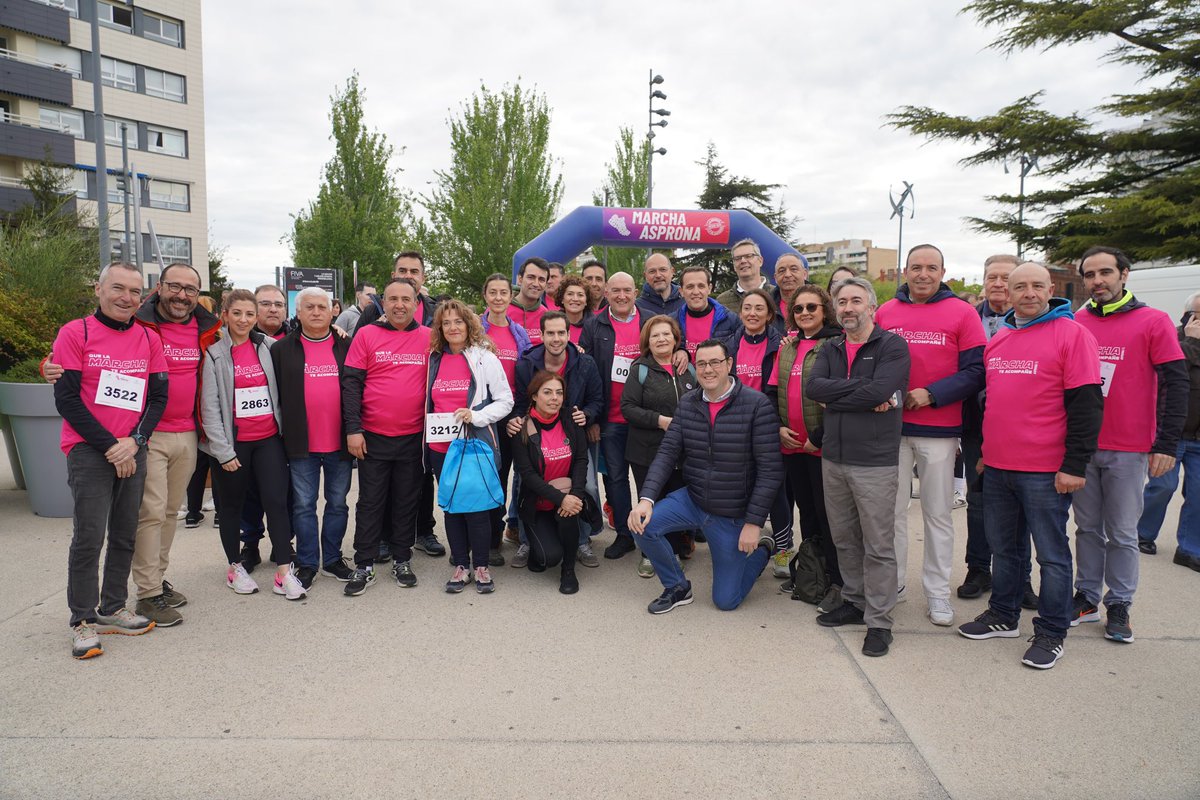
[898,211]
[655,94]
[1028,165]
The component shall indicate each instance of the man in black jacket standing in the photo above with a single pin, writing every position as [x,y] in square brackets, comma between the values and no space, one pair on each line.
[861,379]
[729,487]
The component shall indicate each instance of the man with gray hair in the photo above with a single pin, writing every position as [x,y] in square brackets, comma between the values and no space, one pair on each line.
[747,265]
[861,378]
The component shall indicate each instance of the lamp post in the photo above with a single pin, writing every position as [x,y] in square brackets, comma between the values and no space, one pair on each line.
[898,210]
[1028,165]
[655,94]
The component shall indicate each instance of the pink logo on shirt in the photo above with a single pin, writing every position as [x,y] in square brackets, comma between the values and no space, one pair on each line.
[247,371]
[321,370]
[388,357]
[936,338]
[1013,366]
[104,361]
[1110,353]
[181,354]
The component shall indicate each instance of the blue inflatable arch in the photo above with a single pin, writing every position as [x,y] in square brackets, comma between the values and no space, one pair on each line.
[653,227]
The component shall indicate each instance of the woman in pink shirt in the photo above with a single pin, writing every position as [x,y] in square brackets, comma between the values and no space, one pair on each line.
[239,412]
[466,386]
[573,298]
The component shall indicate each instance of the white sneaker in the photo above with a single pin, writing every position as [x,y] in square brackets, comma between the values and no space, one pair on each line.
[940,611]
[901,596]
[289,585]
[959,500]
[207,505]
[239,580]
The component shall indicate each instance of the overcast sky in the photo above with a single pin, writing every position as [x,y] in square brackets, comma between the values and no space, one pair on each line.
[791,93]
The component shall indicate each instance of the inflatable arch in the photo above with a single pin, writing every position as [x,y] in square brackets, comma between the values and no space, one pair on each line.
[652,227]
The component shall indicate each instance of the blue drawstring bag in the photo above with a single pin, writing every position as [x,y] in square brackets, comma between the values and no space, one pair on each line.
[470,480]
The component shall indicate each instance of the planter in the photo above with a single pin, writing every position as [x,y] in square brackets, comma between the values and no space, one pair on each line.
[14,461]
[36,428]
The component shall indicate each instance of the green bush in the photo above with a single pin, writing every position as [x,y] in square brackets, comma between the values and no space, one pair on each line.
[28,371]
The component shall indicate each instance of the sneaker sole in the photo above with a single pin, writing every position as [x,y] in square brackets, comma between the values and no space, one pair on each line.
[649,574]
[1093,617]
[282,593]
[92,652]
[176,603]
[1041,666]
[485,588]
[593,564]
[941,623]
[1119,638]
[191,525]
[441,551]
[167,624]
[236,591]
[349,593]
[404,585]
[107,629]
[1013,634]
[676,604]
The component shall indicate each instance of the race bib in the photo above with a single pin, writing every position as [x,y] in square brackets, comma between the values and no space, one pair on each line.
[118,390]
[620,368]
[1107,370]
[441,428]
[254,401]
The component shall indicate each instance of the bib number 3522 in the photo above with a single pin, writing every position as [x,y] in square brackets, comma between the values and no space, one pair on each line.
[117,390]
[253,401]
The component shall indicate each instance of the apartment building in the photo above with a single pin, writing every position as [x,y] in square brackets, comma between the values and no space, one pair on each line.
[153,84]
[878,263]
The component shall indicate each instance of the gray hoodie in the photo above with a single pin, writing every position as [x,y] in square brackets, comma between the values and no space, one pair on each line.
[216,394]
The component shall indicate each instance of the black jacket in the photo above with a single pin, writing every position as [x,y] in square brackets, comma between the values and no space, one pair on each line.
[854,432]
[584,388]
[650,302]
[528,461]
[643,401]
[732,466]
[598,340]
[288,357]
[1191,354]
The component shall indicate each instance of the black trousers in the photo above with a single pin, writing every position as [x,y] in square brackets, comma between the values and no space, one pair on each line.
[195,489]
[390,482]
[553,540]
[265,467]
[504,445]
[808,489]
[469,535]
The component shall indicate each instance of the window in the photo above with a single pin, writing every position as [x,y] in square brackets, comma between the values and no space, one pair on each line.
[175,249]
[62,119]
[120,74]
[79,182]
[168,194]
[64,58]
[112,132]
[162,29]
[118,16]
[72,7]
[164,84]
[166,140]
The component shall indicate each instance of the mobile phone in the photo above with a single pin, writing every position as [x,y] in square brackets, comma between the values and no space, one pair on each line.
[1187,317]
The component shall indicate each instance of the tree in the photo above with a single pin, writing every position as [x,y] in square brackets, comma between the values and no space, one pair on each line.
[1137,189]
[499,192]
[359,214]
[626,185]
[724,191]
[218,281]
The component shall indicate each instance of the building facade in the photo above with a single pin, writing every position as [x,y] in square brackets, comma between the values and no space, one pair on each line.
[878,263]
[153,87]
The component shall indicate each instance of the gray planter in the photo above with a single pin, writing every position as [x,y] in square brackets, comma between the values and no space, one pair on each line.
[14,461]
[36,428]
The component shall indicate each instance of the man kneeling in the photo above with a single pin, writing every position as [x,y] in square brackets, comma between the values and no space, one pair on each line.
[727,437]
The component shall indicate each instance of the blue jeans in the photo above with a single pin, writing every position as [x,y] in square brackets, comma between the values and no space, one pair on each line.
[1012,501]
[613,436]
[1159,492]
[979,554]
[306,482]
[734,572]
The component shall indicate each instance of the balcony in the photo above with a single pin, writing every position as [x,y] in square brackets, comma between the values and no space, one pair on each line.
[49,20]
[25,76]
[25,139]
[14,196]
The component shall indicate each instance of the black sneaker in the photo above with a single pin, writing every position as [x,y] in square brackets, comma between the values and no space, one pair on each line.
[250,557]
[361,578]
[428,544]
[403,573]
[306,576]
[567,582]
[193,520]
[877,642]
[1029,598]
[845,614]
[1082,610]
[385,553]
[1044,651]
[680,595]
[338,569]
[1117,627]
[990,625]
[620,546]
[1147,546]
[977,582]
[496,558]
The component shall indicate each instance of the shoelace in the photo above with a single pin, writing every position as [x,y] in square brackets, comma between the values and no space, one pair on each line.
[460,575]
[483,575]
[85,630]
[1047,643]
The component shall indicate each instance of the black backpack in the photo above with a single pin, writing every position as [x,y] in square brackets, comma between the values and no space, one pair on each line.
[807,567]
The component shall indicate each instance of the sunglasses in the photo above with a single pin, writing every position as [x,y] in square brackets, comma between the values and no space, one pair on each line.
[803,307]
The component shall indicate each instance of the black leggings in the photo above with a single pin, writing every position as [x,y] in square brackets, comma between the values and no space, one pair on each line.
[504,445]
[264,463]
[552,540]
[808,488]
[469,535]
[195,489]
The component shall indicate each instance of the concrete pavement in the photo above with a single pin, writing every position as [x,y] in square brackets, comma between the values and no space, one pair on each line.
[527,693]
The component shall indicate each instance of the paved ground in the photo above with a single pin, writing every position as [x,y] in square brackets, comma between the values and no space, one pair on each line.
[527,693]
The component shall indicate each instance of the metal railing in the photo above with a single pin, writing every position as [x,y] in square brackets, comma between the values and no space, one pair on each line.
[34,122]
[25,58]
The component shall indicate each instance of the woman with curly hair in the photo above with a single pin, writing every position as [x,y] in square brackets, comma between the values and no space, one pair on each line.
[573,298]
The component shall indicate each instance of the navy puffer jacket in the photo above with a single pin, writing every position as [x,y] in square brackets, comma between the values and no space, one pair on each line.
[732,467]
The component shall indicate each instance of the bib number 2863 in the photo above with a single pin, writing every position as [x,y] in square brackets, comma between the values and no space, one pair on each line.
[254,401]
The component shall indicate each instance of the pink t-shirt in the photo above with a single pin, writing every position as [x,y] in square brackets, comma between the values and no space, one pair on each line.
[696,330]
[715,408]
[395,361]
[936,333]
[550,304]
[506,351]
[852,349]
[248,374]
[556,452]
[749,363]
[795,394]
[531,321]
[115,400]
[575,331]
[449,391]
[1131,344]
[322,396]
[181,348]
[1028,370]
[627,346]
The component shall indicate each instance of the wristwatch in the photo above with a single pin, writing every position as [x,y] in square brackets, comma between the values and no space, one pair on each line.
[139,439]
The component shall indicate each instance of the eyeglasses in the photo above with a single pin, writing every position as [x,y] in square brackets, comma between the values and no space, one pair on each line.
[803,307]
[271,303]
[746,257]
[716,362]
[176,288]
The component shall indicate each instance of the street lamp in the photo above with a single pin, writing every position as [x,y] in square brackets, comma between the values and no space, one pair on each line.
[1028,165]
[655,94]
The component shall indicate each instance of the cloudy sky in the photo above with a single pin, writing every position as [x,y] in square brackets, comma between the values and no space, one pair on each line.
[791,93]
